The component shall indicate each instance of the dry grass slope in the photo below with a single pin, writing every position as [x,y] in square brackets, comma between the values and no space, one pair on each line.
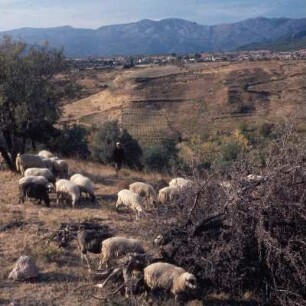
[210,94]
[61,269]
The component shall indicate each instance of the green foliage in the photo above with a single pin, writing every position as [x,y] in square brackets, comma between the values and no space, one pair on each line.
[29,93]
[162,157]
[71,142]
[231,151]
[133,151]
[157,158]
[105,140]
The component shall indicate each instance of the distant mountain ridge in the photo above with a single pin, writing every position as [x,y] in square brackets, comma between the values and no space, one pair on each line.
[290,42]
[161,37]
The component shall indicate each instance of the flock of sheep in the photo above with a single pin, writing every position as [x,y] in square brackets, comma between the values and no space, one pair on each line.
[40,172]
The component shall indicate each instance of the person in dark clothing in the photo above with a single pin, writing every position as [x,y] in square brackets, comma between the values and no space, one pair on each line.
[118,156]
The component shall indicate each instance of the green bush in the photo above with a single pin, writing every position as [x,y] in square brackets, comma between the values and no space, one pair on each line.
[230,152]
[162,157]
[157,158]
[71,141]
[105,140]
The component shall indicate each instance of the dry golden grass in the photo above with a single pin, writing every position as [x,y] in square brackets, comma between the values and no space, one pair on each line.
[61,269]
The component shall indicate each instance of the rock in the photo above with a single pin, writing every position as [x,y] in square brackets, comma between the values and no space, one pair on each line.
[25,268]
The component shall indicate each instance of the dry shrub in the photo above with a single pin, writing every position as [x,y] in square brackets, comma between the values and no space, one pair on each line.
[248,237]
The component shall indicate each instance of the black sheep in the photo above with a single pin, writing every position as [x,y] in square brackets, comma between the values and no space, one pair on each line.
[91,241]
[36,191]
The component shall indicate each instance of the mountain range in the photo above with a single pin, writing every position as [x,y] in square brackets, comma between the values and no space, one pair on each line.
[162,37]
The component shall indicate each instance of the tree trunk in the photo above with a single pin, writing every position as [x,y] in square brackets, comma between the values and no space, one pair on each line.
[8,159]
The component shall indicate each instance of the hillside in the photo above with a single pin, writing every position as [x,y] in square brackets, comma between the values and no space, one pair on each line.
[160,37]
[184,99]
[291,42]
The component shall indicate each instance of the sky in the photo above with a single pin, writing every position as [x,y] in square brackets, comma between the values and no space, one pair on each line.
[95,13]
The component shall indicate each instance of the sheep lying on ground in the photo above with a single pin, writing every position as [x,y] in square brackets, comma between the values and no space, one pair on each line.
[34,190]
[253,178]
[119,246]
[67,190]
[26,161]
[180,182]
[144,190]
[91,241]
[45,153]
[25,268]
[40,172]
[161,275]
[167,194]
[85,185]
[131,200]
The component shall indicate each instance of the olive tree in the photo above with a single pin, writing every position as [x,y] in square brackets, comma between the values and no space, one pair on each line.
[29,95]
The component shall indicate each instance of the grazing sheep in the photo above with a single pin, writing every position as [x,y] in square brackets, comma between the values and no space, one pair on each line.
[119,246]
[36,179]
[25,268]
[161,275]
[85,185]
[26,161]
[91,241]
[45,153]
[40,172]
[60,167]
[167,194]
[180,182]
[131,200]
[144,190]
[48,163]
[34,190]
[33,179]
[64,188]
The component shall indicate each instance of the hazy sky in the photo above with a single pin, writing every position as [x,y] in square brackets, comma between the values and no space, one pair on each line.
[95,13]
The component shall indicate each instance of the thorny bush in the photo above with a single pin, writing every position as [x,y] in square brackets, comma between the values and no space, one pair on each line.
[245,236]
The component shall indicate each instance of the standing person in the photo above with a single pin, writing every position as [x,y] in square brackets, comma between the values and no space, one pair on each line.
[118,156]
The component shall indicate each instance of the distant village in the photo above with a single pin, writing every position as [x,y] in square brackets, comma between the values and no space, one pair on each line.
[98,63]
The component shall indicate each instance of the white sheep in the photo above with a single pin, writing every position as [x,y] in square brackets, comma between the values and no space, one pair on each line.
[167,194]
[64,188]
[119,246]
[144,190]
[180,182]
[40,172]
[27,180]
[131,200]
[45,153]
[161,275]
[33,179]
[85,185]
[26,161]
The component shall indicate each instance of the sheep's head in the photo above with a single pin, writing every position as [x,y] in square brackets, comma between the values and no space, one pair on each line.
[190,280]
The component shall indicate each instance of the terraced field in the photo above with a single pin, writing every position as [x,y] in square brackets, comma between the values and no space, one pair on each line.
[213,95]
